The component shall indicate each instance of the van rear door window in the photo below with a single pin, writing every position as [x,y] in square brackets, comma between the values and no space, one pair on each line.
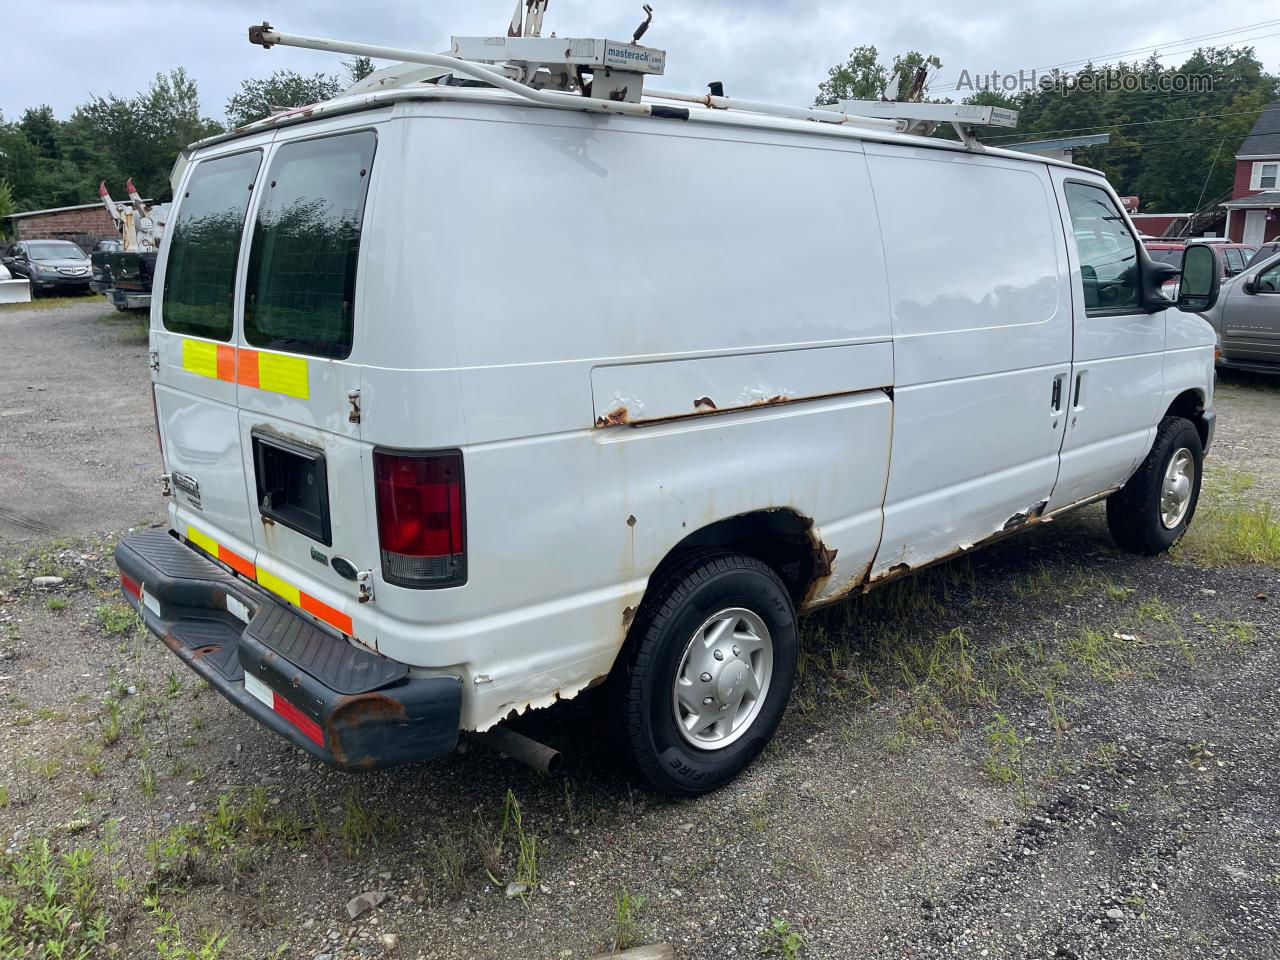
[302,265]
[205,246]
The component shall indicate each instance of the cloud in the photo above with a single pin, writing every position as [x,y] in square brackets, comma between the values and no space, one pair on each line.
[761,49]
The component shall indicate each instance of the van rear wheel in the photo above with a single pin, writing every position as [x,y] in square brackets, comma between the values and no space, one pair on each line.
[709,667]
[1151,512]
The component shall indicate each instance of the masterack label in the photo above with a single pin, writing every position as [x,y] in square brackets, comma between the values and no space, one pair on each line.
[627,57]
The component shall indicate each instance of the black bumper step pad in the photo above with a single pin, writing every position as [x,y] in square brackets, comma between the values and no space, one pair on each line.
[219,640]
[174,571]
[337,664]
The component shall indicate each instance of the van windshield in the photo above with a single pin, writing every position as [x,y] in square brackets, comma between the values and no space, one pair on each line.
[302,265]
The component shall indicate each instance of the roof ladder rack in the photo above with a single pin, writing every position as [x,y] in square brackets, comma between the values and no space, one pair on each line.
[607,76]
[923,118]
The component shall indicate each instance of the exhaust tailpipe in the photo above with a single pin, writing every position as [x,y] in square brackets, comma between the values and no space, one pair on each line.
[519,747]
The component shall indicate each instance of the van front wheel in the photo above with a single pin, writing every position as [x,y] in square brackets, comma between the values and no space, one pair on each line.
[1151,512]
[709,668]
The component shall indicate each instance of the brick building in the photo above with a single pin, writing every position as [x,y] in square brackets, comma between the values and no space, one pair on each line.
[84,224]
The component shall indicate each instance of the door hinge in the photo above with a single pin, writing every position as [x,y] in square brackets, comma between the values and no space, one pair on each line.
[165,489]
[153,359]
[353,397]
[364,585]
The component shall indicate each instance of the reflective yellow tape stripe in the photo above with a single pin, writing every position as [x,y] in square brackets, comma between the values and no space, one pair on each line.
[280,588]
[203,541]
[200,357]
[280,374]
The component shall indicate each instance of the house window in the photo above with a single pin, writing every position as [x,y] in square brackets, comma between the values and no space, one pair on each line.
[1264,175]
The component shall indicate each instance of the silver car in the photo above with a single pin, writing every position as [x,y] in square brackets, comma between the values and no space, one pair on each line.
[1247,318]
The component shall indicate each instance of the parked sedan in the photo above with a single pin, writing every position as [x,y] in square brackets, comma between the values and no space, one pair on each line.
[49,265]
[1247,318]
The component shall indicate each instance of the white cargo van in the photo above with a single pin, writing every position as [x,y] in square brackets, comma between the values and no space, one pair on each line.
[472,399]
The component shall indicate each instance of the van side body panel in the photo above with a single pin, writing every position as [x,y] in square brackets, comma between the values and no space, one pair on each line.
[982,327]
[622,376]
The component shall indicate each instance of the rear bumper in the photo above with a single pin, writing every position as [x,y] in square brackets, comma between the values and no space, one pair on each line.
[128,299]
[343,704]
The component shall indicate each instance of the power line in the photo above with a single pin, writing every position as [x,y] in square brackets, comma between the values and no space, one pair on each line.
[1102,127]
[1159,143]
[1172,46]
[1165,46]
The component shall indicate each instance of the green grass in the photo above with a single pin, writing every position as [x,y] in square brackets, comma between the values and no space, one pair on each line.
[55,604]
[1231,525]
[52,303]
[782,940]
[626,919]
[116,618]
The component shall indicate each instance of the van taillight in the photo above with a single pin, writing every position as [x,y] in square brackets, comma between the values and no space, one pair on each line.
[420,519]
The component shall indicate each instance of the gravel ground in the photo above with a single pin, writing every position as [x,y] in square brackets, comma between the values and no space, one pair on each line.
[1047,749]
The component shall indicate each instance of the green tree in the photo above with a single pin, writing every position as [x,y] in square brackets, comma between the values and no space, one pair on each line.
[861,77]
[358,68]
[140,137]
[864,77]
[259,97]
[6,206]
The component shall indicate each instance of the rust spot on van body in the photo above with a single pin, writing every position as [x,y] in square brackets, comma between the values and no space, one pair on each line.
[704,402]
[614,418]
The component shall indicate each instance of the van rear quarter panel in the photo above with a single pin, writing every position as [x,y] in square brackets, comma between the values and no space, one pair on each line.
[500,310]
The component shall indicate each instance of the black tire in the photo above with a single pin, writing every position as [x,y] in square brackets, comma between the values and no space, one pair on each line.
[675,607]
[1134,511]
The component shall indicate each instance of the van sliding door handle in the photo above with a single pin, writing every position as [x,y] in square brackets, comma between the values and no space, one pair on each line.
[1055,398]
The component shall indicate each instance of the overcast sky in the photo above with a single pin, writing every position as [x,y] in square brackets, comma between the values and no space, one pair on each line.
[762,49]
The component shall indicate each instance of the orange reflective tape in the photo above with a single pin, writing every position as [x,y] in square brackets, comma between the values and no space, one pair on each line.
[227,363]
[247,368]
[335,618]
[236,562]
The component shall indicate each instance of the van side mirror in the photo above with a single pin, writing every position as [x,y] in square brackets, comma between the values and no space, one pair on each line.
[1249,286]
[1154,276]
[1198,289]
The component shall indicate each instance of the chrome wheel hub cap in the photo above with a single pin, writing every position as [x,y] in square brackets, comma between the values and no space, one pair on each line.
[1175,491]
[723,679]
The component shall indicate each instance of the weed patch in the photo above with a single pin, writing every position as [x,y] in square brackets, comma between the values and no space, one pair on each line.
[1230,527]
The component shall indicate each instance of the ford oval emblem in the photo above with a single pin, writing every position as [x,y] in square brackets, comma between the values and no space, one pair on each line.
[343,567]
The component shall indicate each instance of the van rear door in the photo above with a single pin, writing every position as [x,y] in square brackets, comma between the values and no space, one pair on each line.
[194,355]
[297,380]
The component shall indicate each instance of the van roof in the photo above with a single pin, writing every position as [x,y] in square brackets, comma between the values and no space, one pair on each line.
[736,118]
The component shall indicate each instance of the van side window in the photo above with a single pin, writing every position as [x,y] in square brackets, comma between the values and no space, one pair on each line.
[1108,252]
[1269,280]
[201,269]
[302,265]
